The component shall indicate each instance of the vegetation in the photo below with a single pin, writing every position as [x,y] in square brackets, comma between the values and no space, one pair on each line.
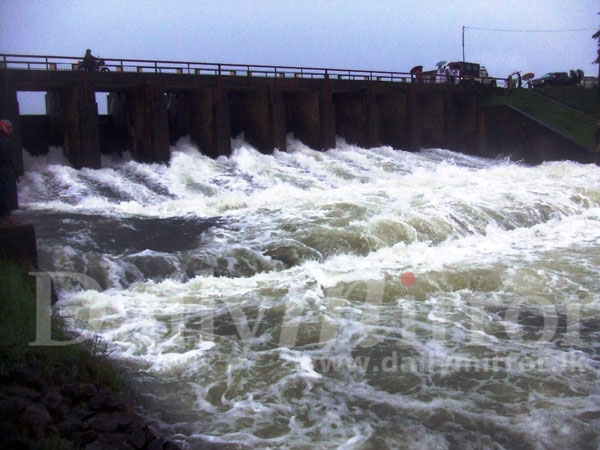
[85,362]
[584,100]
[577,121]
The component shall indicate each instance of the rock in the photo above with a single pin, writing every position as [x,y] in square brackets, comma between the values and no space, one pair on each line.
[34,382]
[18,373]
[98,400]
[99,444]
[150,435]
[85,437]
[8,431]
[21,403]
[52,399]
[156,444]
[82,411]
[88,390]
[70,425]
[111,403]
[77,392]
[35,418]
[103,422]
[123,418]
[116,439]
[23,392]
[22,442]
[138,437]
[9,406]
[105,401]
[172,446]
[77,415]
[70,391]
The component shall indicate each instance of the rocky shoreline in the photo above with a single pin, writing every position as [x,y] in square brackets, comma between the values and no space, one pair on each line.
[35,414]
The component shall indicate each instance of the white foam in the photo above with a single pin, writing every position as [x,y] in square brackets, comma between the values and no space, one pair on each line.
[471,230]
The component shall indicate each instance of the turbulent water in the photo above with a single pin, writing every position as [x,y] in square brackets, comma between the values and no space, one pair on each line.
[351,298]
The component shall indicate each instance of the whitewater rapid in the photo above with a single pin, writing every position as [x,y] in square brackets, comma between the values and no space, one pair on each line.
[354,298]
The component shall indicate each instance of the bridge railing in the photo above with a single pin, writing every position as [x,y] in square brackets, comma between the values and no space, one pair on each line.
[62,63]
[36,62]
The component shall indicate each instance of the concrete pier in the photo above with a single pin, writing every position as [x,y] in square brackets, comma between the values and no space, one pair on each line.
[432,120]
[358,118]
[79,117]
[149,127]
[414,120]
[222,127]
[393,110]
[264,120]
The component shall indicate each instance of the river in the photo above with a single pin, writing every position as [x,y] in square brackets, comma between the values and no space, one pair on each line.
[353,298]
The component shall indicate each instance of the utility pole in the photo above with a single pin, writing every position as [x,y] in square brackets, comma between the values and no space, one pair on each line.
[463,42]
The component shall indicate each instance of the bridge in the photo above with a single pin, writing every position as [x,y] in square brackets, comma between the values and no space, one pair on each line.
[153,103]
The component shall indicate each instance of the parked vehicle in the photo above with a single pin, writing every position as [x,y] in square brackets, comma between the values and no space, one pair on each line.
[588,82]
[471,73]
[552,79]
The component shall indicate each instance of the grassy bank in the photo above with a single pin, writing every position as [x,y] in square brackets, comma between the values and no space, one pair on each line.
[578,127]
[85,362]
[584,100]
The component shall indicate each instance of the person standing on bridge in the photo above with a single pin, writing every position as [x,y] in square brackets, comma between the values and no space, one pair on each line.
[8,175]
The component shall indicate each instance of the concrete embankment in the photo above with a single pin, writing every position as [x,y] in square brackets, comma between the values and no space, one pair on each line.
[512,132]
[17,244]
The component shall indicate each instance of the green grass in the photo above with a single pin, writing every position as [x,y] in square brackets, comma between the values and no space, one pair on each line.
[577,127]
[584,100]
[84,362]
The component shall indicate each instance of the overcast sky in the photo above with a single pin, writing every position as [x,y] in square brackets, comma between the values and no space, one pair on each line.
[374,34]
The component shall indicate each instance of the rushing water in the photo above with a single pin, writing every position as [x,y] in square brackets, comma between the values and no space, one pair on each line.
[351,298]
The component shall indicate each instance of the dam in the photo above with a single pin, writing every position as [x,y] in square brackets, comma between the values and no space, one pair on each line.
[272,291]
[153,103]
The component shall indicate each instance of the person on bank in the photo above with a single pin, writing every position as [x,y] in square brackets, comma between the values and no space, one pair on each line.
[89,61]
[8,175]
